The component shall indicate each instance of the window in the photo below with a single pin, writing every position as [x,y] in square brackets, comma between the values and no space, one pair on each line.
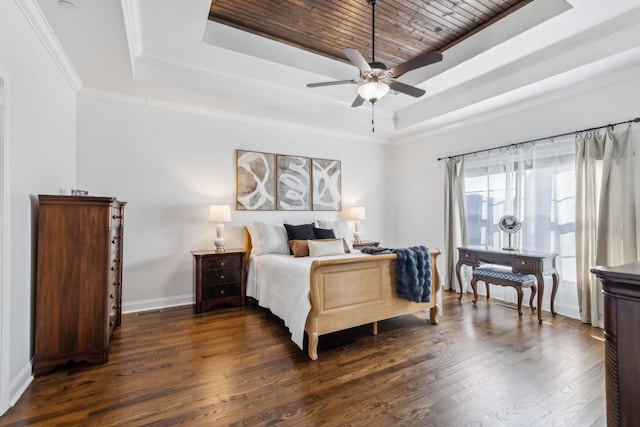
[534,182]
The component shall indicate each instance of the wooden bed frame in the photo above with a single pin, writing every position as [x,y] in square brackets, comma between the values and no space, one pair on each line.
[354,291]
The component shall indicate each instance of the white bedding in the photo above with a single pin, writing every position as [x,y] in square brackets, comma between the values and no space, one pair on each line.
[281,284]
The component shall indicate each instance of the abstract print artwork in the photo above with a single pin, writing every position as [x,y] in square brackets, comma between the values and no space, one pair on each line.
[327,185]
[255,180]
[293,183]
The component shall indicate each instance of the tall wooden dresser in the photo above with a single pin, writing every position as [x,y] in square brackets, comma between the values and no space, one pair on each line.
[79,279]
[621,289]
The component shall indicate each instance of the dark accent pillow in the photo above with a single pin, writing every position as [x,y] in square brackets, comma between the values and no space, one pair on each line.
[300,232]
[324,233]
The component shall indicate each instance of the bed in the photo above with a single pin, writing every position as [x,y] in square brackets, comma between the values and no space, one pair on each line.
[344,291]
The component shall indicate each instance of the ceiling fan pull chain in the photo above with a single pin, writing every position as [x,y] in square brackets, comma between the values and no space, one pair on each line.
[373,106]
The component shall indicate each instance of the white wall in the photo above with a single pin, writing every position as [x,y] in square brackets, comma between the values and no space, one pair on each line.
[38,157]
[420,180]
[170,165]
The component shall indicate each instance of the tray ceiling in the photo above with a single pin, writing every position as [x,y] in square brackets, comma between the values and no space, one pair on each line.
[404,29]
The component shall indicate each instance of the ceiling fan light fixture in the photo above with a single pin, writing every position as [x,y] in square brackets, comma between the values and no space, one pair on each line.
[373,91]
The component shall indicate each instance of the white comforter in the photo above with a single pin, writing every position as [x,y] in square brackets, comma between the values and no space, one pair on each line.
[281,284]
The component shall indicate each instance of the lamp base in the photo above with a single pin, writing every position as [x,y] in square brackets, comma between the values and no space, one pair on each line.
[220,240]
[220,250]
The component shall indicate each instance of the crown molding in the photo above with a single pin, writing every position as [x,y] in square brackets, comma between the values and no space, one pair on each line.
[133,28]
[626,68]
[38,22]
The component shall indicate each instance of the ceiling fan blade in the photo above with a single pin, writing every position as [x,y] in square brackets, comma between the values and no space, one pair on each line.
[357,59]
[358,101]
[406,89]
[338,82]
[421,61]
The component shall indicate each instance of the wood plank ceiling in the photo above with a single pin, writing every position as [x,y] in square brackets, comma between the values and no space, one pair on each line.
[404,29]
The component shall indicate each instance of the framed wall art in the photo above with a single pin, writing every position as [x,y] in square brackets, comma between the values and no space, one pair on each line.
[293,188]
[255,181]
[326,176]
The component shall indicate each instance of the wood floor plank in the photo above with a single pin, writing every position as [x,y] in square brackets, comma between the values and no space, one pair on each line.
[482,365]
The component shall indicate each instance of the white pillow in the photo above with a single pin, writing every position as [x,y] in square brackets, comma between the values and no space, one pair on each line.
[325,248]
[268,238]
[340,230]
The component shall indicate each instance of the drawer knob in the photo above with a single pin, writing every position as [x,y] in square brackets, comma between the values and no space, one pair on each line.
[116,216]
[466,255]
[222,276]
[523,262]
[222,292]
[222,264]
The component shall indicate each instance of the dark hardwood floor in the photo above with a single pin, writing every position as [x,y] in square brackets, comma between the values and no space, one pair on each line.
[481,366]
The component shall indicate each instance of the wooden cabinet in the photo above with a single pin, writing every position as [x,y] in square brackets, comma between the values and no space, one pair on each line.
[219,278]
[621,289]
[79,279]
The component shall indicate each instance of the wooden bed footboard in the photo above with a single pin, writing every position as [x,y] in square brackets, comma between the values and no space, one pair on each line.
[355,291]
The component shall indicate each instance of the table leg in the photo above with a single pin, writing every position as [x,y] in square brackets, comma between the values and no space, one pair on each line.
[540,279]
[556,282]
[458,267]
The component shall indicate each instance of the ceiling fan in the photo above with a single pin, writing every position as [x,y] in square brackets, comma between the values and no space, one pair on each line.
[375,78]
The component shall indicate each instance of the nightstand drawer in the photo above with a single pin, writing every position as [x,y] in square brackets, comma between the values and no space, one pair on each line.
[219,277]
[222,262]
[224,291]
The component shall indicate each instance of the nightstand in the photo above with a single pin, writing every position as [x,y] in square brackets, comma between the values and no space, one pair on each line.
[218,278]
[365,244]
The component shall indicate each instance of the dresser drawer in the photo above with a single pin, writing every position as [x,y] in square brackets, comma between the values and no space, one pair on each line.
[222,262]
[223,291]
[219,277]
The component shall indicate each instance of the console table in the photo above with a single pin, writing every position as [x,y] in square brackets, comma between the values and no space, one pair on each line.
[520,261]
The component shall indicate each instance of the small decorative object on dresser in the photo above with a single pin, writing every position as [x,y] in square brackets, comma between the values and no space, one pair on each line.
[79,279]
[218,278]
[365,244]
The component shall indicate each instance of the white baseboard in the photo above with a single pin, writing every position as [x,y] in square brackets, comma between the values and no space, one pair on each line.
[20,383]
[157,303]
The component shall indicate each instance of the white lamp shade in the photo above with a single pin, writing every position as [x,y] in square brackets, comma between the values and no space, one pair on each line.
[357,213]
[373,91]
[219,213]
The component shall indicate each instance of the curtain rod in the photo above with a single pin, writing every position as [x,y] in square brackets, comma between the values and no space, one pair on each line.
[636,120]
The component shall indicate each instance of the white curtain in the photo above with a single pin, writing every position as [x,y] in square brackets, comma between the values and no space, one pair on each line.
[605,212]
[455,231]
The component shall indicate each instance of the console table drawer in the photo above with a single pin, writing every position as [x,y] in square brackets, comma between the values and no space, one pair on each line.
[526,265]
[466,256]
